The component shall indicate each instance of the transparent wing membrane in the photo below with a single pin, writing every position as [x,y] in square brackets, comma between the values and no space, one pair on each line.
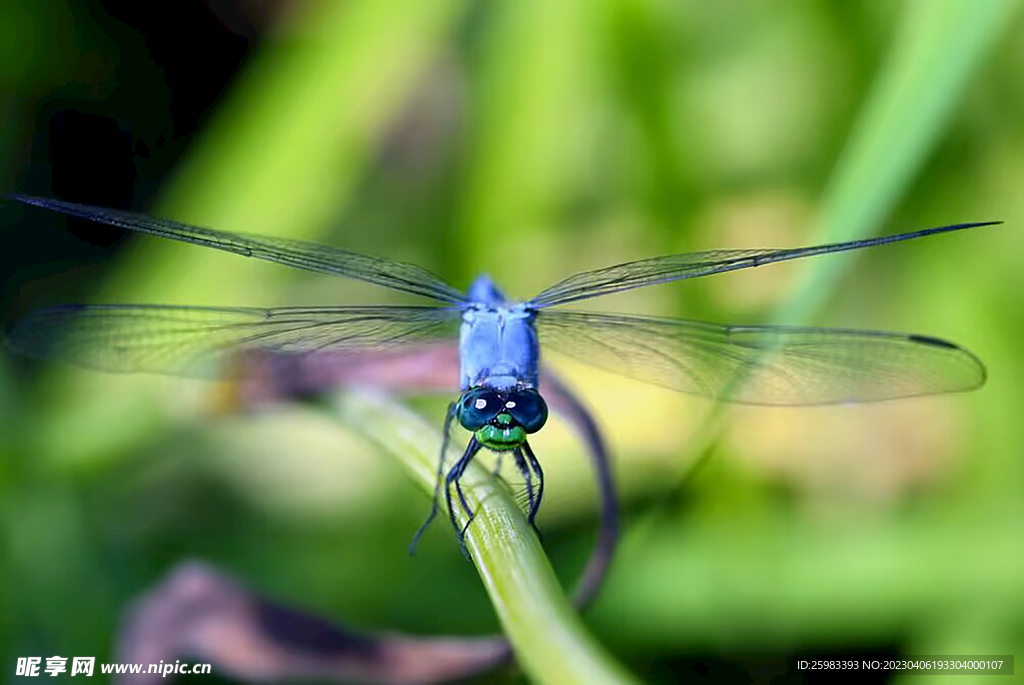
[202,342]
[676,267]
[335,261]
[751,364]
[774,365]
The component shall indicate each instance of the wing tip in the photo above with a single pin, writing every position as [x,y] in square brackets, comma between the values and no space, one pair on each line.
[944,344]
[27,199]
[933,341]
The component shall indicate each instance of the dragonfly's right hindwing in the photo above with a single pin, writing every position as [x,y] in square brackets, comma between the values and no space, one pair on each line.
[202,342]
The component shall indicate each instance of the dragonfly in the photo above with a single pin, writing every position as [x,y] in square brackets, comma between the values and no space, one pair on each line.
[500,339]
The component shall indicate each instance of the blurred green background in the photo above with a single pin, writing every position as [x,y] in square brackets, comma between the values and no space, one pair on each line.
[529,140]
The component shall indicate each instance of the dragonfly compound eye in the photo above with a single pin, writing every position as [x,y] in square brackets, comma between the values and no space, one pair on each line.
[528,408]
[478,407]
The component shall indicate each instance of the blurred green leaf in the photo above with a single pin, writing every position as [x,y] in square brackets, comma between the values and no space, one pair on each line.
[940,49]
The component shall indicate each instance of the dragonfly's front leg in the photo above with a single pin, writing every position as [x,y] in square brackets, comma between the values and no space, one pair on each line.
[524,471]
[449,417]
[535,465]
[532,498]
[453,479]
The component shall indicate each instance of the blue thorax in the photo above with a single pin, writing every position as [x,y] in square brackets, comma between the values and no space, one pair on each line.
[497,341]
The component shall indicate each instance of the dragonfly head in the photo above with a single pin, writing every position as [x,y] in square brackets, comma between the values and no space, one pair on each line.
[501,420]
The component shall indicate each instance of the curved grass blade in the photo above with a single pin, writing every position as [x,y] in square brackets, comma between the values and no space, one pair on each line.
[668,268]
[201,342]
[335,261]
[550,640]
[775,365]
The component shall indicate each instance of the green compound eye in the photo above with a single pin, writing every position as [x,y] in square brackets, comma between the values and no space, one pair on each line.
[528,408]
[478,407]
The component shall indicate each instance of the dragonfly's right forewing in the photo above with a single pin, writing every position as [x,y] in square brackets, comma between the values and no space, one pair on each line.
[401,276]
[202,342]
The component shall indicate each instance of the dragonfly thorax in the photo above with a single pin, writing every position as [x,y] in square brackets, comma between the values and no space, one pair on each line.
[498,345]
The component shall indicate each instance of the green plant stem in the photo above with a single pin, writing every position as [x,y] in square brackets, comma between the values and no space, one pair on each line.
[548,637]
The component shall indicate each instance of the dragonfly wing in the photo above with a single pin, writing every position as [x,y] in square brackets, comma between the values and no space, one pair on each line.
[677,267]
[335,261]
[203,342]
[774,365]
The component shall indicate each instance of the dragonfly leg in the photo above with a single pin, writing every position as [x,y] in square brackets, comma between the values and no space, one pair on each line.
[524,471]
[535,465]
[437,483]
[470,514]
[453,479]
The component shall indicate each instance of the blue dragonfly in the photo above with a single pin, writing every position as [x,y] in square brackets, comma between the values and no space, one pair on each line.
[499,339]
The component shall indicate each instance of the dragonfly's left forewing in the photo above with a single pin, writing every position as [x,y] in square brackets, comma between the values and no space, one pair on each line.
[676,267]
[774,365]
